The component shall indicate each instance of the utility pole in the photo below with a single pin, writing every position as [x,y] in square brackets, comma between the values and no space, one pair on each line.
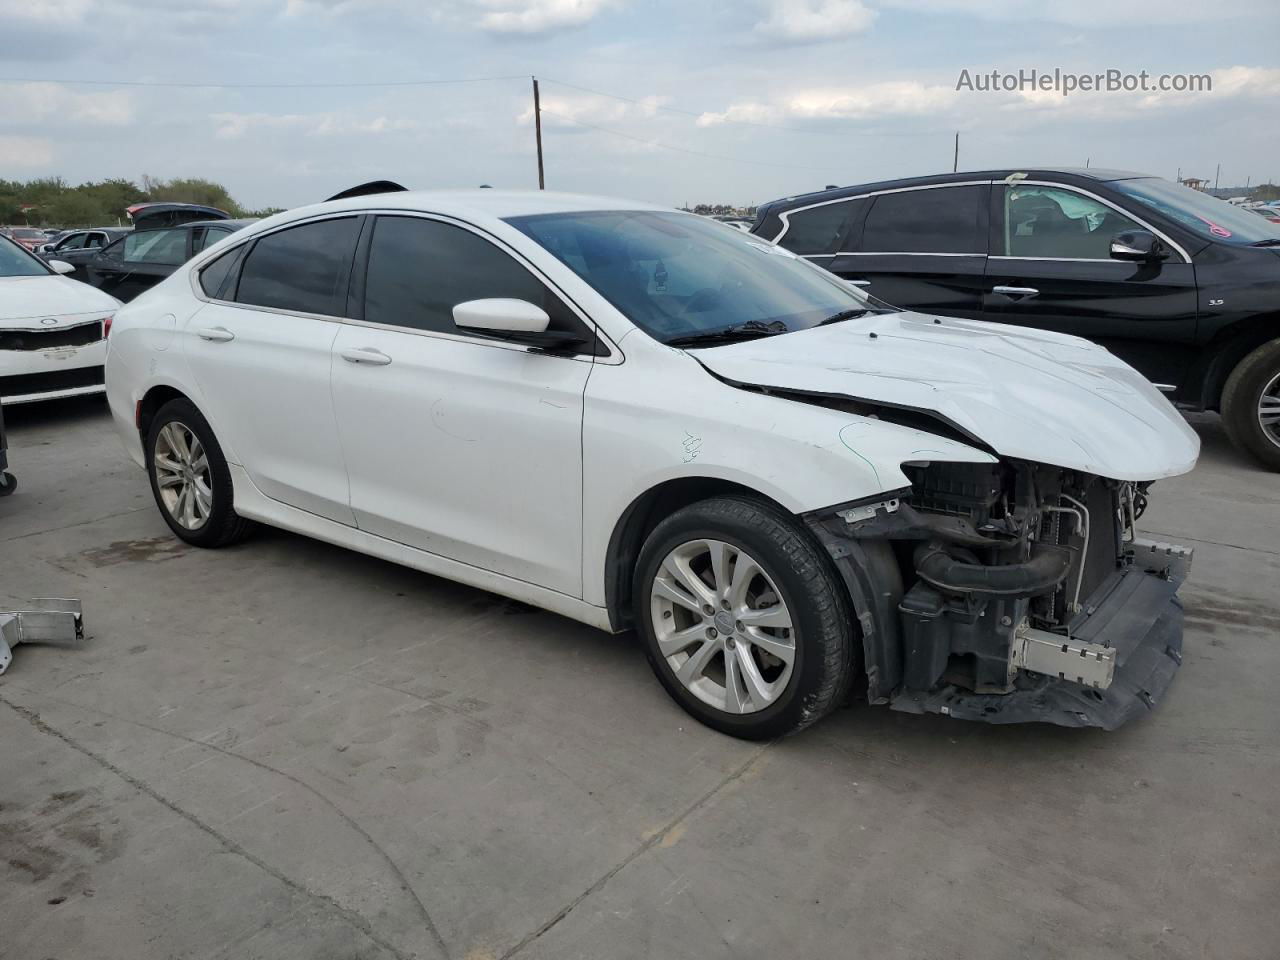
[537,132]
[1216,175]
[955,160]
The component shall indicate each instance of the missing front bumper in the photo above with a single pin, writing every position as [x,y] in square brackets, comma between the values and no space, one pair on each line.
[1138,619]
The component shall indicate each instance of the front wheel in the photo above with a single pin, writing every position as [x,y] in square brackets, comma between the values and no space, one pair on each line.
[744,620]
[1251,404]
[190,478]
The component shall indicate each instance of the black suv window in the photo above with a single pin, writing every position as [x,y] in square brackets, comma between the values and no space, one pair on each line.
[935,220]
[817,229]
[419,270]
[303,268]
[1054,223]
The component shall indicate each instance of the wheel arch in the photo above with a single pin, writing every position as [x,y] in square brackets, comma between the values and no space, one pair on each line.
[1229,348]
[151,402]
[640,517]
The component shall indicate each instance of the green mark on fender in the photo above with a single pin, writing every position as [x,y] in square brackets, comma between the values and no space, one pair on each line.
[857,454]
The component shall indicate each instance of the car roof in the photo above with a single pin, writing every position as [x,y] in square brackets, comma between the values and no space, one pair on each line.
[473,204]
[1030,173]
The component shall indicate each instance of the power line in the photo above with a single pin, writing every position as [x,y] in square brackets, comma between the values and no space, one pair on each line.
[649,104]
[258,86]
[667,146]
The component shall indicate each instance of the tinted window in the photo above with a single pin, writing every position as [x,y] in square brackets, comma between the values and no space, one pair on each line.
[73,242]
[156,246]
[213,278]
[94,240]
[1049,222]
[816,230]
[419,270]
[938,220]
[303,268]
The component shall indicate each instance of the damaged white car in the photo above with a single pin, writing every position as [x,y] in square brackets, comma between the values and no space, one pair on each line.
[636,418]
[52,329]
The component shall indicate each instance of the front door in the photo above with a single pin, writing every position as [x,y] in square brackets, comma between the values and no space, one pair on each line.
[922,248]
[1051,268]
[464,446]
[261,352]
[138,261]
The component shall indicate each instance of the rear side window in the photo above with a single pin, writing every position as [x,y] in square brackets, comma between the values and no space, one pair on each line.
[303,268]
[166,247]
[816,230]
[419,270]
[214,278]
[938,220]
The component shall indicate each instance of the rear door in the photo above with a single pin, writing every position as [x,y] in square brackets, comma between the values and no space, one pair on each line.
[260,351]
[1051,268]
[465,446]
[138,261]
[921,248]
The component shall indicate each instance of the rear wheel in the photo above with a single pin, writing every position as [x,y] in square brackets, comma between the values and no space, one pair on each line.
[1251,404]
[190,478]
[743,618]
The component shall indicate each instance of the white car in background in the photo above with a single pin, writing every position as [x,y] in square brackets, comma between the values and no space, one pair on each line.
[52,329]
[636,418]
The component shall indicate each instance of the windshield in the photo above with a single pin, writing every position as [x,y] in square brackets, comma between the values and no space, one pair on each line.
[16,262]
[676,275]
[1208,216]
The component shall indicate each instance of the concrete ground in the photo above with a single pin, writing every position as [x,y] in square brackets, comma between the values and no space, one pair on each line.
[284,750]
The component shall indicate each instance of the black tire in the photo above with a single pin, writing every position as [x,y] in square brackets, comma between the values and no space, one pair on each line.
[222,526]
[8,484]
[1240,398]
[823,632]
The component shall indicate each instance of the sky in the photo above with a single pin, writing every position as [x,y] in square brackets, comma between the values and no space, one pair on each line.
[715,101]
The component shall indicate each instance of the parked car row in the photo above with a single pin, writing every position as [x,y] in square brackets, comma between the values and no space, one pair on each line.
[1183,286]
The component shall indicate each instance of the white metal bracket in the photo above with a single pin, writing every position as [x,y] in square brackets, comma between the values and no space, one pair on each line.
[46,621]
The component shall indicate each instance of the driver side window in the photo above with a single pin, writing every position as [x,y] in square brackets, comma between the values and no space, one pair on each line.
[1052,223]
[419,270]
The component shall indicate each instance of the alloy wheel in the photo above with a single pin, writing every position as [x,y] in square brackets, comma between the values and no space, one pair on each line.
[1269,410]
[722,626]
[182,475]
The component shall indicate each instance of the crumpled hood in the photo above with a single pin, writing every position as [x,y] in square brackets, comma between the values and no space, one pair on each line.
[26,298]
[1027,394]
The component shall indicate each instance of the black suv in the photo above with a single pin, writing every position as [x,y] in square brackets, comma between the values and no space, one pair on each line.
[1184,287]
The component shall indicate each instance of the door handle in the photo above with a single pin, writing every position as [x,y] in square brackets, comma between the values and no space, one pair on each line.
[366,355]
[1016,292]
[215,334]
[858,283]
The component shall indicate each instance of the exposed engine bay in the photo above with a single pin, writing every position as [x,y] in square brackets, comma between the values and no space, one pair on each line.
[1011,591]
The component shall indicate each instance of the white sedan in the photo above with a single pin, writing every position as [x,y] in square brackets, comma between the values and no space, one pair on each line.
[633,417]
[52,329]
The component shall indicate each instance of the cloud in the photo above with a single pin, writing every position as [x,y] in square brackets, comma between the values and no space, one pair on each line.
[47,101]
[234,126]
[25,152]
[888,99]
[1090,13]
[813,21]
[558,111]
[538,16]
[44,11]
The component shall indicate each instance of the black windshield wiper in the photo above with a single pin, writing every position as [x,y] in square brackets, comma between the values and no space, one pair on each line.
[845,315]
[1269,242]
[751,330]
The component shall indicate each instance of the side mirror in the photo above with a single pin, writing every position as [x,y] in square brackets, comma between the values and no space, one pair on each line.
[61,266]
[1139,245]
[509,319]
[501,315]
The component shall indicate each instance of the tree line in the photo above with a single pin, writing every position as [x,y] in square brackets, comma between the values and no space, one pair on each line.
[52,202]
